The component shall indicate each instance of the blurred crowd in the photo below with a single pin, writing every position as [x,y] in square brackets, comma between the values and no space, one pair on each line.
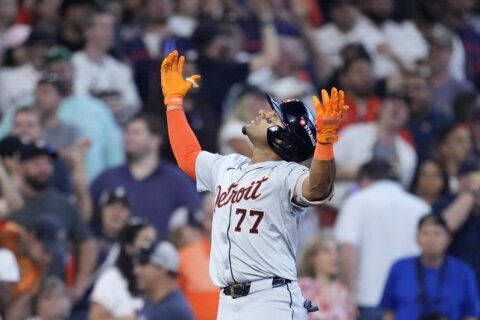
[97,221]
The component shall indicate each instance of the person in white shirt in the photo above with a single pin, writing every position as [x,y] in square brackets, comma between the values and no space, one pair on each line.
[376,226]
[343,30]
[393,46]
[362,142]
[114,295]
[100,74]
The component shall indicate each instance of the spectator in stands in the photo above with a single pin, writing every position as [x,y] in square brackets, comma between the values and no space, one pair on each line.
[463,218]
[101,75]
[156,273]
[376,226]
[466,106]
[431,184]
[185,234]
[90,114]
[19,82]
[287,79]
[362,142]
[426,16]
[73,13]
[393,46]
[27,127]
[147,51]
[433,285]
[115,294]
[35,251]
[454,148]
[157,189]
[216,61]
[107,225]
[458,16]
[185,18]
[445,87]
[40,199]
[47,15]
[358,81]
[426,121]
[66,137]
[8,10]
[193,270]
[48,98]
[51,301]
[246,107]
[341,31]
[319,270]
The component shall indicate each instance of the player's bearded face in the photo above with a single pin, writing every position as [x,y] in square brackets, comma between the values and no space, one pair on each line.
[256,130]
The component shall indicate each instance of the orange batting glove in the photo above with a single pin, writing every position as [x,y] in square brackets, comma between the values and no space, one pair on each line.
[174,86]
[329,114]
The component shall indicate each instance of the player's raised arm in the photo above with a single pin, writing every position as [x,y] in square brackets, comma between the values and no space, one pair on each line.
[322,171]
[184,143]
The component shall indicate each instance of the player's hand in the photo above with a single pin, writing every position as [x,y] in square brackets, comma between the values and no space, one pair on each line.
[174,86]
[329,114]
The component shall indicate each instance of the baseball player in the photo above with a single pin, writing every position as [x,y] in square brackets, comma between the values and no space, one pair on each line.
[259,200]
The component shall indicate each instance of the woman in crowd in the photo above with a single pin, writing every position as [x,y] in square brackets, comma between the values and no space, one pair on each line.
[112,218]
[115,295]
[107,224]
[319,267]
[454,149]
[431,184]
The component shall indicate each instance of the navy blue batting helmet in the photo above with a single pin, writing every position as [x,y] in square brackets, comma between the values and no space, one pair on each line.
[296,142]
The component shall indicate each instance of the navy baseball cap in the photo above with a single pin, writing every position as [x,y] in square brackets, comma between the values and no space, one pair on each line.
[10,146]
[51,232]
[118,194]
[35,149]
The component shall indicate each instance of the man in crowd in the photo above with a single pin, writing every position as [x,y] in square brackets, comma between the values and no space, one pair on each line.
[156,274]
[156,188]
[381,140]
[100,74]
[48,99]
[40,199]
[445,285]
[376,226]
[91,115]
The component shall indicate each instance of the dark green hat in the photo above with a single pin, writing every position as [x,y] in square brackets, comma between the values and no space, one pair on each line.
[56,54]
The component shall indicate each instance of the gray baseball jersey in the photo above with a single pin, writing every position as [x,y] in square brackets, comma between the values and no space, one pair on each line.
[254,231]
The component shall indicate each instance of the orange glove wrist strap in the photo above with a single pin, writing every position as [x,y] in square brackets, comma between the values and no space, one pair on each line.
[173,100]
[324,152]
[327,139]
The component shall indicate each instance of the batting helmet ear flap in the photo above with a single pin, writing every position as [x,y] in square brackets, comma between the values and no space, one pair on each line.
[286,145]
